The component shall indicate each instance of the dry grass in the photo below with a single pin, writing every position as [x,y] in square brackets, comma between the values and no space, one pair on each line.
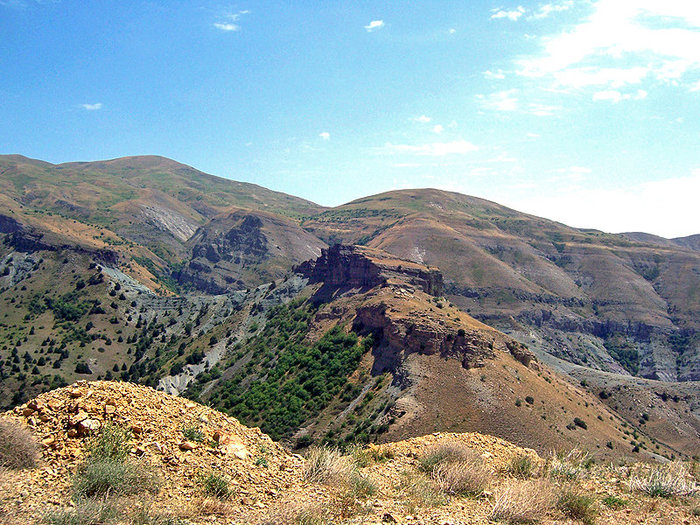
[570,466]
[18,447]
[327,465]
[673,479]
[445,452]
[213,507]
[292,513]
[417,491]
[522,501]
[578,505]
[467,477]
[456,469]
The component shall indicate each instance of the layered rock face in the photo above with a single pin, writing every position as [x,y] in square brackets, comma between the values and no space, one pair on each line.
[360,267]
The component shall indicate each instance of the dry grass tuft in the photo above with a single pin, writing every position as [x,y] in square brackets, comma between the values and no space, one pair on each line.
[18,447]
[522,501]
[578,505]
[570,466]
[296,514]
[417,491]
[673,479]
[468,477]
[445,452]
[456,469]
[327,465]
[213,507]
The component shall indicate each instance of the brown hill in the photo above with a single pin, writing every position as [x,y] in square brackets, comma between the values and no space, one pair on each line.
[598,299]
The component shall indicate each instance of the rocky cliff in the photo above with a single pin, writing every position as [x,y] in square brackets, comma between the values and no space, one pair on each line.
[360,267]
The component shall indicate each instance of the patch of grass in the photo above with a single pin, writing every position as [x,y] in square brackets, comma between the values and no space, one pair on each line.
[446,452]
[216,486]
[521,467]
[100,477]
[465,477]
[665,481]
[418,492]
[522,501]
[578,506]
[570,466]
[296,514]
[112,442]
[192,433]
[85,512]
[18,447]
[614,502]
[324,465]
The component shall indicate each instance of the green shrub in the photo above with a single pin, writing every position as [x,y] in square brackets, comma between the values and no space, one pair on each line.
[107,476]
[216,486]
[193,433]
[578,506]
[112,442]
[521,467]
[614,502]
[18,447]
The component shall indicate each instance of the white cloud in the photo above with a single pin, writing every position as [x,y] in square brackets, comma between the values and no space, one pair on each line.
[423,119]
[664,207]
[622,42]
[547,9]
[92,107]
[494,75]
[434,149]
[227,26]
[510,14]
[230,25]
[374,25]
[452,31]
[438,128]
[615,96]
[325,135]
[500,101]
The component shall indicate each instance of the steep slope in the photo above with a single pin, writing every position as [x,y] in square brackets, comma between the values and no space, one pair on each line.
[371,355]
[622,305]
[241,248]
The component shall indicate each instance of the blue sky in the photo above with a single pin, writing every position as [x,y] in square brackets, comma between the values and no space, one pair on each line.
[582,111]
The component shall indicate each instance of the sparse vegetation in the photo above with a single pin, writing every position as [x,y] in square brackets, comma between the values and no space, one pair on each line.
[18,446]
[569,466]
[577,505]
[521,467]
[665,481]
[215,485]
[522,501]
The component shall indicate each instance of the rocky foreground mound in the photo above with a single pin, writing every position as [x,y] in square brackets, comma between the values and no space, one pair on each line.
[446,478]
[182,440]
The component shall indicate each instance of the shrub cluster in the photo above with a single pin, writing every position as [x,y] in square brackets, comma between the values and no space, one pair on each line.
[18,447]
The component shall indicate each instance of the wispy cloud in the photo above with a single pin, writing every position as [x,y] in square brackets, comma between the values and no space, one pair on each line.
[422,119]
[92,107]
[434,149]
[554,7]
[494,75]
[500,101]
[229,21]
[510,14]
[438,128]
[374,25]
[325,135]
[615,96]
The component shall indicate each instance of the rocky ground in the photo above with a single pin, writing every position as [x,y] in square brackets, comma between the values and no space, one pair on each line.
[183,442]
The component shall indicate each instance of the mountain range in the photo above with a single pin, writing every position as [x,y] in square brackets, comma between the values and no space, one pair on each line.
[428,310]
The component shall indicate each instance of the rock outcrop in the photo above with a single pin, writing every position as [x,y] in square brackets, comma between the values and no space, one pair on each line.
[359,267]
